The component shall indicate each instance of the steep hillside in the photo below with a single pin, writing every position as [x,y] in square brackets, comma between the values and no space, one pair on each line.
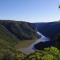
[20,30]
[49,29]
[12,32]
[7,36]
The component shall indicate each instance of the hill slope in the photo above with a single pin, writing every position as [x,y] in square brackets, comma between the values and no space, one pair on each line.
[49,29]
[12,32]
[21,30]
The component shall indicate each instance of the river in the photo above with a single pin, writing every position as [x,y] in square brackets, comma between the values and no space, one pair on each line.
[31,48]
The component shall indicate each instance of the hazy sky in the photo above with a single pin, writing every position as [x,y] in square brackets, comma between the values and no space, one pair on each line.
[30,10]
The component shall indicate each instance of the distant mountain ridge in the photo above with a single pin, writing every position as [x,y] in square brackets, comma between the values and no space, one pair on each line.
[49,29]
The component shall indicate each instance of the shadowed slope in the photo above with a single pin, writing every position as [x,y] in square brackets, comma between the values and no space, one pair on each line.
[21,30]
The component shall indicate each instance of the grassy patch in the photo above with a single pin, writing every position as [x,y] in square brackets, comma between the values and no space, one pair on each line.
[24,43]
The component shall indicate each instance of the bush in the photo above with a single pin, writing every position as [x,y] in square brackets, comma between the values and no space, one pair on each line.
[51,53]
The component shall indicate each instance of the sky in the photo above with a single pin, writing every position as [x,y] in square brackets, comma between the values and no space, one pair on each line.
[30,10]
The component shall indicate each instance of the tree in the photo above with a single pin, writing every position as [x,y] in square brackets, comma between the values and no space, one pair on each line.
[51,53]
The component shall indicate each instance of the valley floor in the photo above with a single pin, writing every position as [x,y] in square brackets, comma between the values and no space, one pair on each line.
[24,43]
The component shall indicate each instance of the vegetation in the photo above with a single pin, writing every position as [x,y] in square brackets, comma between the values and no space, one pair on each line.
[20,30]
[10,34]
[24,43]
[7,52]
[51,53]
[9,40]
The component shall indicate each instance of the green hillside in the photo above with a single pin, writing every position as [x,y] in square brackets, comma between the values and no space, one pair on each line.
[21,30]
[6,35]
[7,42]
[13,33]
